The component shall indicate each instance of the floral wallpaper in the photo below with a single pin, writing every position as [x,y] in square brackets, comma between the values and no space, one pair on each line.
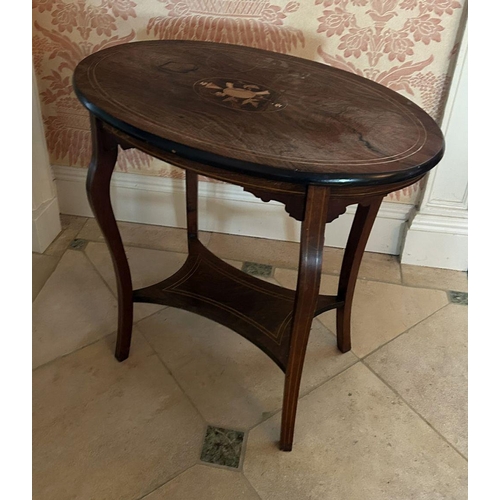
[406,45]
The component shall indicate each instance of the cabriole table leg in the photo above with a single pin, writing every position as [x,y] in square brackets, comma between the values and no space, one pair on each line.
[358,237]
[104,154]
[306,296]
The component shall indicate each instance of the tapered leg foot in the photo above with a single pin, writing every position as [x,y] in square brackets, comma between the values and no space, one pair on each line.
[123,341]
[286,446]
[122,356]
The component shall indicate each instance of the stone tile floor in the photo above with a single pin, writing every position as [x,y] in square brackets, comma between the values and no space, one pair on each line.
[194,412]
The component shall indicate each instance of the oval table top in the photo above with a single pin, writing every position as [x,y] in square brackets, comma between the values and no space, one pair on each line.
[260,113]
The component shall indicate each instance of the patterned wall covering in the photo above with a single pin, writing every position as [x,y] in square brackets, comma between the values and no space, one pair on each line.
[407,45]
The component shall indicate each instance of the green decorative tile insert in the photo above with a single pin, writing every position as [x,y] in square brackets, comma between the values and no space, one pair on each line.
[459,298]
[255,269]
[222,447]
[78,244]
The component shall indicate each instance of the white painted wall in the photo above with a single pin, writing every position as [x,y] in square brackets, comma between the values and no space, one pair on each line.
[46,223]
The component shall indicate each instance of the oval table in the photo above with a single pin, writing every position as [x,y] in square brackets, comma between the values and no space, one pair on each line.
[312,137]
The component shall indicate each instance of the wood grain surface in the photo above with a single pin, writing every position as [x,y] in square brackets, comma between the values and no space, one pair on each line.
[260,113]
[314,138]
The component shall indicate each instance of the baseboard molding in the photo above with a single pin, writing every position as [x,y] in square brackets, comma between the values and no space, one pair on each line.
[435,240]
[46,225]
[223,208]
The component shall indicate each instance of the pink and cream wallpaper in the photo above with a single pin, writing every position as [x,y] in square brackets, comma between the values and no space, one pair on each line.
[406,45]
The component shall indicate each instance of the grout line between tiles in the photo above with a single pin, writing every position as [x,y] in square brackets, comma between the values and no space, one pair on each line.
[376,280]
[115,295]
[146,246]
[58,259]
[203,464]
[210,233]
[428,287]
[137,321]
[250,485]
[167,481]
[142,247]
[243,451]
[424,287]
[174,377]
[400,271]
[219,466]
[59,236]
[202,440]
[414,410]
[306,393]
[100,275]
[361,358]
[72,352]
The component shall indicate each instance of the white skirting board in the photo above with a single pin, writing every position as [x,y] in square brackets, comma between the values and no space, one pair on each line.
[437,240]
[222,208]
[45,225]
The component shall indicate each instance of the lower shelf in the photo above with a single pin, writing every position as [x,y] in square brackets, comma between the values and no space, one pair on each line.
[259,311]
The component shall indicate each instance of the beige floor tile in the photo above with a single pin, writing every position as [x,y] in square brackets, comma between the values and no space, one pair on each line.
[286,254]
[206,483]
[380,267]
[229,380]
[73,221]
[332,260]
[109,430]
[428,366]
[74,308]
[431,277]
[374,266]
[380,312]
[248,249]
[288,279]
[234,263]
[146,266]
[172,239]
[273,252]
[265,251]
[70,227]
[355,440]
[91,231]
[41,268]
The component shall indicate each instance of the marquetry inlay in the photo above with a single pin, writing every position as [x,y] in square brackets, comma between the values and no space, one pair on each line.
[239,94]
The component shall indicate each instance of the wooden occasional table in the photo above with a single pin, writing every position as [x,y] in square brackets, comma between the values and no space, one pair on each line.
[312,137]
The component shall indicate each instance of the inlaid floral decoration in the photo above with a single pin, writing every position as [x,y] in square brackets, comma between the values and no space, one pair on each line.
[406,45]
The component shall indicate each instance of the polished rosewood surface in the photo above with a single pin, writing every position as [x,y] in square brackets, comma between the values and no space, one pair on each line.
[312,137]
[259,113]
